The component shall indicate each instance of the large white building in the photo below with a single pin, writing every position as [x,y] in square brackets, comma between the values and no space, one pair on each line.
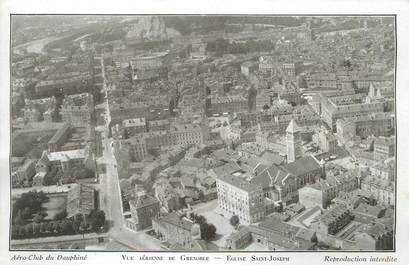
[237,196]
[293,142]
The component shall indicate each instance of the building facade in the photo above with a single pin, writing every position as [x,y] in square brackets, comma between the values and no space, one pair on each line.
[332,221]
[78,109]
[143,209]
[236,196]
[325,190]
[382,190]
[384,148]
[175,229]
[338,107]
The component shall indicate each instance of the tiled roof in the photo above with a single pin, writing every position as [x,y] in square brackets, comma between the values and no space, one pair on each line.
[332,214]
[226,169]
[176,220]
[272,158]
[305,234]
[375,230]
[277,174]
[144,200]
[367,209]
[67,155]
[333,181]
[270,176]
[239,182]
[277,226]
[80,200]
[280,240]
[239,234]
[302,166]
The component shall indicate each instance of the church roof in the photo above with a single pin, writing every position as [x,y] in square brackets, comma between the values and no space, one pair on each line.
[302,166]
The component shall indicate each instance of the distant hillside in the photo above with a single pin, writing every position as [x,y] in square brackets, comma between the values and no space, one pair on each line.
[148,27]
[270,20]
[199,24]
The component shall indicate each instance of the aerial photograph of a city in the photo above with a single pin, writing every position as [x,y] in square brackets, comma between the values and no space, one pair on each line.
[202,133]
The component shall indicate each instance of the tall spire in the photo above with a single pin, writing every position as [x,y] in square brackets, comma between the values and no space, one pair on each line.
[371,90]
[293,140]
[292,127]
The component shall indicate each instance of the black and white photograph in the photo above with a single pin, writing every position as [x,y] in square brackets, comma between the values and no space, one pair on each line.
[203,133]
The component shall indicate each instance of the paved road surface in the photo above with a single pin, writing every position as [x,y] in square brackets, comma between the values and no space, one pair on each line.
[112,205]
[57,239]
[111,198]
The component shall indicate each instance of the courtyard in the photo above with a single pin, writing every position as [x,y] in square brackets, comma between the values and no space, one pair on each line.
[223,227]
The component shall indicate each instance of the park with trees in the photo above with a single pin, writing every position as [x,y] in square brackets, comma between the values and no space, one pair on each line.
[28,219]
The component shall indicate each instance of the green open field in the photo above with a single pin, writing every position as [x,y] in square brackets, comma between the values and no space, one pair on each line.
[56,204]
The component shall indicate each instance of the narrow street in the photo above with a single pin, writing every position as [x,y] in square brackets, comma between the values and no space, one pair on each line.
[113,206]
[111,195]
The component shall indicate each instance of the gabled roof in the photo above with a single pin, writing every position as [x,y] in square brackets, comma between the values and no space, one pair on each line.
[332,214]
[375,230]
[302,166]
[281,235]
[242,232]
[270,176]
[277,226]
[272,158]
[305,234]
[142,201]
[226,169]
[279,174]
[176,220]
[369,210]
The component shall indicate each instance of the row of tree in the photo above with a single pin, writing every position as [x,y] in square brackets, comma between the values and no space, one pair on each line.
[94,222]
[27,205]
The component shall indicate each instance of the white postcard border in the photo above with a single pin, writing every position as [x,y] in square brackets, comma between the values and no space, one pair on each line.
[400,8]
